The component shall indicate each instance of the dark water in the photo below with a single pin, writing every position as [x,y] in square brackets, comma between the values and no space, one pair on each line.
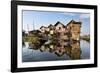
[59,50]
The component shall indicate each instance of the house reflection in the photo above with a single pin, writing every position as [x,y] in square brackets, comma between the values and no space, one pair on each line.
[75,52]
[59,48]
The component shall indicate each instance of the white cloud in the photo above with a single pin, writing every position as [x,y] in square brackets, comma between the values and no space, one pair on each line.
[70,14]
[84,16]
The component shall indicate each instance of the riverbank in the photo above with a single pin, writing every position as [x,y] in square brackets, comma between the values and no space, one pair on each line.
[86,38]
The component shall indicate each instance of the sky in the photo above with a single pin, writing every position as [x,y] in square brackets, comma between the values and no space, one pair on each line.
[36,19]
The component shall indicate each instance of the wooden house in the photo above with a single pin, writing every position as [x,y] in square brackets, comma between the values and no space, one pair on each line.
[75,29]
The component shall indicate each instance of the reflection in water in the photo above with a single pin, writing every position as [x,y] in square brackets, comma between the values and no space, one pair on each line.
[58,47]
[75,51]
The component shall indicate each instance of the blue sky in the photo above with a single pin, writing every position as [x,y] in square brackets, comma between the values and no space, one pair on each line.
[36,19]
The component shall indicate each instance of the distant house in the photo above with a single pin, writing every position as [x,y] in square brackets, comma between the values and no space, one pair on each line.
[75,29]
[51,27]
[59,27]
[35,32]
[47,29]
[42,29]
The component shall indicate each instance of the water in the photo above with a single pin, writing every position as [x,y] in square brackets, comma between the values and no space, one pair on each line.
[59,50]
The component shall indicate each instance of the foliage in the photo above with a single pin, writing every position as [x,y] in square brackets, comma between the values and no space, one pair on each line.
[86,37]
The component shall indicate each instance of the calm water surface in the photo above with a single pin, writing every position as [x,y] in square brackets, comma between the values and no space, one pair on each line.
[58,51]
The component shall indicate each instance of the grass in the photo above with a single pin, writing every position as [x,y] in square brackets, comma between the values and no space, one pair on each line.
[86,38]
[31,39]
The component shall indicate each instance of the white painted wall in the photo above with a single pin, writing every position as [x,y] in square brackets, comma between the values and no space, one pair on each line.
[5,32]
